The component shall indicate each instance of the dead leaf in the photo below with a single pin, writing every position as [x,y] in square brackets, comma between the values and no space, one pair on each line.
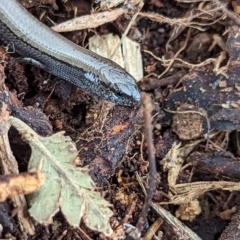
[67,187]
[89,21]
[174,159]
[128,56]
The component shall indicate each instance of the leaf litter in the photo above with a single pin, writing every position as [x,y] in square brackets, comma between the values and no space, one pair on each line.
[67,188]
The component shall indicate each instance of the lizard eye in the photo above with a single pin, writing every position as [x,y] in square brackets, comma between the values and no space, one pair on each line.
[119,94]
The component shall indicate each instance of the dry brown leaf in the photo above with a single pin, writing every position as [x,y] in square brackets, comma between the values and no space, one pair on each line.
[89,21]
[174,159]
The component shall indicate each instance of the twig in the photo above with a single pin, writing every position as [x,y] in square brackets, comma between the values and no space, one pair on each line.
[83,234]
[227,12]
[48,97]
[148,107]
[178,52]
[152,230]
[186,21]
[182,231]
[127,29]
[184,64]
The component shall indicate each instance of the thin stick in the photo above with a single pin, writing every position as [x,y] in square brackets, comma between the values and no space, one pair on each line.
[127,29]
[148,107]
[226,11]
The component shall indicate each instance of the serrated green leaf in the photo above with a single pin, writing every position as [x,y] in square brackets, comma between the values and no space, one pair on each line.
[67,188]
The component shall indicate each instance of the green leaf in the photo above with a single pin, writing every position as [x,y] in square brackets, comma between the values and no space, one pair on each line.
[67,187]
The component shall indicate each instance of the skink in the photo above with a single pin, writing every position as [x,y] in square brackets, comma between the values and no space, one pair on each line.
[53,53]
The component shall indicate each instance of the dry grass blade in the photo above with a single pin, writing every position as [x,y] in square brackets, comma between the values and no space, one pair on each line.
[153,229]
[183,232]
[187,192]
